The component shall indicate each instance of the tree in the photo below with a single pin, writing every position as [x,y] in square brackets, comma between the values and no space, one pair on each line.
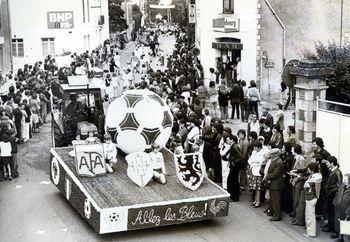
[339,59]
[117,22]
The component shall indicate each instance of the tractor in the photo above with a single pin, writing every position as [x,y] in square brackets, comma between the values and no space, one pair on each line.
[77,109]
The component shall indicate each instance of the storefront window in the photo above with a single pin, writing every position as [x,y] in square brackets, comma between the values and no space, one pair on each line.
[228,7]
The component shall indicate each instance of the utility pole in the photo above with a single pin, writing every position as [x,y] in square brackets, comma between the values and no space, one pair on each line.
[341,23]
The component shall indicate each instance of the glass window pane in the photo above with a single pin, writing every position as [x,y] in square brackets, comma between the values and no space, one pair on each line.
[14,49]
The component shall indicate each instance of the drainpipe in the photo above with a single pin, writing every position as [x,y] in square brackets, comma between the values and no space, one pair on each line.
[284,31]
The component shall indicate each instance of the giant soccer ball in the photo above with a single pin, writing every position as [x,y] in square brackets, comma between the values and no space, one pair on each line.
[137,119]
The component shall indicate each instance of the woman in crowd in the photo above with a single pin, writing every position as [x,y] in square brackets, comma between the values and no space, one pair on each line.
[290,137]
[213,97]
[224,97]
[312,187]
[255,162]
[277,136]
[253,96]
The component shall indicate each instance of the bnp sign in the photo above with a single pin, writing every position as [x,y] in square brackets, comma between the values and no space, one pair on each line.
[60,20]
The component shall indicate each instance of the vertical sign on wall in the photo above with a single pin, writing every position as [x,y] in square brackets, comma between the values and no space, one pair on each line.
[192,13]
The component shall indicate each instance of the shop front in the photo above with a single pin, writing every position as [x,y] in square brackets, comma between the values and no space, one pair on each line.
[228,56]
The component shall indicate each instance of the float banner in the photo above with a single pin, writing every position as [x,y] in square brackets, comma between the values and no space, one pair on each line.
[156,216]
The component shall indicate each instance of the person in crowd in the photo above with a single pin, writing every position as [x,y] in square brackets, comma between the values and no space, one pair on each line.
[217,130]
[92,139]
[275,177]
[243,145]
[193,133]
[283,93]
[290,137]
[202,93]
[235,97]
[267,116]
[253,124]
[6,156]
[235,163]
[225,153]
[333,183]
[342,207]
[35,111]
[321,154]
[265,130]
[253,96]
[243,104]
[206,118]
[110,152]
[223,99]
[280,116]
[228,71]
[157,161]
[255,162]
[312,187]
[296,178]
[287,192]
[17,114]
[212,75]
[277,136]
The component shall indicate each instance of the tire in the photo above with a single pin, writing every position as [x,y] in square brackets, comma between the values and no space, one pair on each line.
[58,139]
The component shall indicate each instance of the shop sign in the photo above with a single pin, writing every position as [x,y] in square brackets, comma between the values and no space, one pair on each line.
[227,46]
[226,25]
[270,64]
[192,13]
[60,20]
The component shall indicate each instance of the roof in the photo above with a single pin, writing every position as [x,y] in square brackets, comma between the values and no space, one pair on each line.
[66,87]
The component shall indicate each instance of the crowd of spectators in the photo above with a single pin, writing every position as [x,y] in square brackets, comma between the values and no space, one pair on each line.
[264,158]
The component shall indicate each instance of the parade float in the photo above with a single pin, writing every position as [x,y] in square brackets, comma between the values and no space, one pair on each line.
[135,193]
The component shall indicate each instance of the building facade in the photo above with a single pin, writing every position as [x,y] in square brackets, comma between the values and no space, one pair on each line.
[266,34]
[228,29]
[5,38]
[44,27]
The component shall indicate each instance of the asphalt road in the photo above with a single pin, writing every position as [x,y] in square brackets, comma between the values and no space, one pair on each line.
[32,209]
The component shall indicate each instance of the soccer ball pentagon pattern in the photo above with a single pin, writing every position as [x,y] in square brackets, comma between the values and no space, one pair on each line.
[137,119]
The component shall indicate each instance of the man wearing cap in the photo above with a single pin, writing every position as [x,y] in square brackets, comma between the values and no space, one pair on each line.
[274,176]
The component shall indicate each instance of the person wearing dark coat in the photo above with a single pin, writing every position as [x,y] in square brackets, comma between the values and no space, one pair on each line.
[287,191]
[235,97]
[235,161]
[333,183]
[274,176]
[321,154]
[342,206]
[17,113]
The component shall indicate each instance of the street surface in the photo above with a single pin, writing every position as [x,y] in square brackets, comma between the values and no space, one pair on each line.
[33,209]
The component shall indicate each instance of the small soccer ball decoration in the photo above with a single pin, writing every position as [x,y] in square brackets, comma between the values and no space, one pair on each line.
[137,119]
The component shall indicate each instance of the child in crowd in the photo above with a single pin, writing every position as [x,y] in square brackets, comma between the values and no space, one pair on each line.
[157,160]
[6,156]
[110,152]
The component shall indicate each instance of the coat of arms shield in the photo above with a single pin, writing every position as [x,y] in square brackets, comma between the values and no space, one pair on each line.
[139,169]
[190,170]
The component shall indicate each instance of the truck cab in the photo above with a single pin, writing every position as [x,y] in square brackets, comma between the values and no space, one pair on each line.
[77,108]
